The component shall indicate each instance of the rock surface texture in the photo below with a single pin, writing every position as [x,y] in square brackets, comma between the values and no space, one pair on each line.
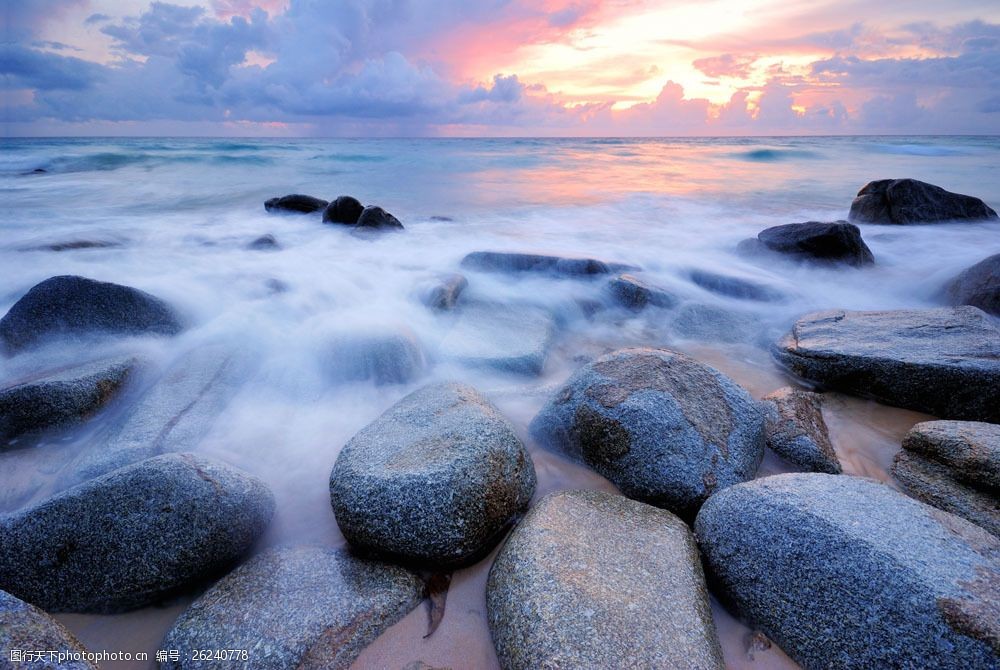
[795,430]
[594,580]
[902,201]
[24,627]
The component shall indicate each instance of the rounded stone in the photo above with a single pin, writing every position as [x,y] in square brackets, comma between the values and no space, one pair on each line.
[343,209]
[24,627]
[978,285]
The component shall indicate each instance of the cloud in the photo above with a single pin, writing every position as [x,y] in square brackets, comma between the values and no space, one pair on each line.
[726,65]
[23,68]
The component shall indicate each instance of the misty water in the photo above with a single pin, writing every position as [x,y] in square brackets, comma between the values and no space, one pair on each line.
[174,217]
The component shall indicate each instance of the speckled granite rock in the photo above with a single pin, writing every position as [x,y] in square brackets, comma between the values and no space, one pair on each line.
[945,361]
[955,466]
[435,480]
[24,627]
[794,429]
[510,338]
[61,398]
[308,608]
[380,356]
[595,580]
[133,536]
[904,201]
[514,262]
[69,305]
[844,572]
[663,427]
[978,285]
[629,291]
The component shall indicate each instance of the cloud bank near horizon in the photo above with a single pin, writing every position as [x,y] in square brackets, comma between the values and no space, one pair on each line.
[499,67]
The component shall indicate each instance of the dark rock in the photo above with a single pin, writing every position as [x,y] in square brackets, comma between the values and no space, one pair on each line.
[302,204]
[264,243]
[903,201]
[510,338]
[308,608]
[72,245]
[794,429]
[376,218]
[435,480]
[837,242]
[595,580]
[25,628]
[663,427]
[344,209]
[438,217]
[695,321]
[443,292]
[735,287]
[978,285]
[508,262]
[134,536]
[393,357]
[60,398]
[635,294]
[77,306]
[843,572]
[933,483]
[945,361]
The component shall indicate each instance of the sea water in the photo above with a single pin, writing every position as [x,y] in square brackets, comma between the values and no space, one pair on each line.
[174,217]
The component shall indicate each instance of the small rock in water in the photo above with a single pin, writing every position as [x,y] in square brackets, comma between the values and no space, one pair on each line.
[376,218]
[70,305]
[435,480]
[501,261]
[134,536]
[443,292]
[72,245]
[844,572]
[510,338]
[695,321]
[594,580]
[664,428]
[837,242]
[794,429]
[309,608]
[735,287]
[955,466]
[945,361]
[903,201]
[61,398]
[394,357]
[25,628]
[344,209]
[631,292]
[978,285]
[302,204]
[264,243]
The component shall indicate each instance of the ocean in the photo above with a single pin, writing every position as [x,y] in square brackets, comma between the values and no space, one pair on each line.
[174,217]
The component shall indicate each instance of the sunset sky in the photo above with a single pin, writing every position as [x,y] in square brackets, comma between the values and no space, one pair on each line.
[498,68]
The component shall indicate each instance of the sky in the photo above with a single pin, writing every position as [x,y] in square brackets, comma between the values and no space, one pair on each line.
[499,67]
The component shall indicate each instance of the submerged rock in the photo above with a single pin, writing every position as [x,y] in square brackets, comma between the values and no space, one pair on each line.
[264,243]
[695,321]
[309,608]
[393,357]
[344,209]
[978,285]
[945,361]
[844,572]
[509,338]
[955,466]
[302,204]
[837,242]
[631,292]
[134,536]
[795,430]
[73,245]
[903,201]
[61,398]
[376,218]
[443,292]
[70,305]
[663,427]
[595,580]
[735,287]
[24,627]
[434,480]
[510,262]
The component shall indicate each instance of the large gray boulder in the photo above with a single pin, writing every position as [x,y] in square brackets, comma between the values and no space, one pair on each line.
[978,285]
[814,241]
[435,480]
[514,262]
[70,305]
[25,628]
[945,361]
[955,466]
[380,356]
[795,430]
[309,608]
[511,338]
[60,399]
[594,580]
[296,203]
[664,428]
[134,536]
[903,201]
[844,572]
